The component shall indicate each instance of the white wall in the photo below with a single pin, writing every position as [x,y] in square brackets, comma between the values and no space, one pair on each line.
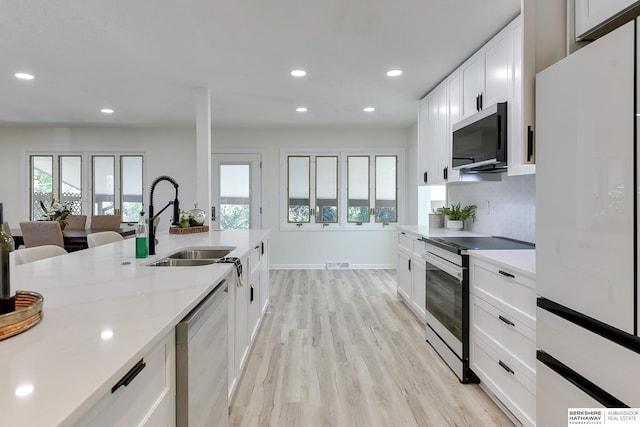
[172,152]
[314,249]
[512,205]
[167,152]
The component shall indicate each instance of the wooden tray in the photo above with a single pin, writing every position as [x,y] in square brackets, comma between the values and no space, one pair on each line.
[27,314]
[189,230]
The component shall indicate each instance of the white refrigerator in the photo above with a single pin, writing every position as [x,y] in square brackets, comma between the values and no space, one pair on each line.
[587,229]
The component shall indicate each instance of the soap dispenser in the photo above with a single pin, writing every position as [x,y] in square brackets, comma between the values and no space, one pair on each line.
[141,238]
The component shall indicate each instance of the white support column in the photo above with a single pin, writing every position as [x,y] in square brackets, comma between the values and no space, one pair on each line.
[203,151]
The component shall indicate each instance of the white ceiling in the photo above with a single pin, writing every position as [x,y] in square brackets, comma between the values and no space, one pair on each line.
[147,59]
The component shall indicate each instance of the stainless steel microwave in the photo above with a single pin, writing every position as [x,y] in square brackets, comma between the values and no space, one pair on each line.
[480,141]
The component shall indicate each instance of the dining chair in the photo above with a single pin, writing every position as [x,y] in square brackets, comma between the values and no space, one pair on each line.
[102,238]
[39,233]
[105,222]
[23,256]
[6,228]
[76,222]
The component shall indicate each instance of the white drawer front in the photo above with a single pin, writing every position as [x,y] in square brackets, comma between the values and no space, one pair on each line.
[405,240]
[515,390]
[513,295]
[151,394]
[418,246]
[556,396]
[608,365]
[508,333]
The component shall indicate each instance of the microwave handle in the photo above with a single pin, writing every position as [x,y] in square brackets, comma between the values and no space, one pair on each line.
[499,132]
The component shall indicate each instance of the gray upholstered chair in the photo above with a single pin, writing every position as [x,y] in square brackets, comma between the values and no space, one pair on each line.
[36,253]
[39,233]
[105,222]
[76,222]
[102,238]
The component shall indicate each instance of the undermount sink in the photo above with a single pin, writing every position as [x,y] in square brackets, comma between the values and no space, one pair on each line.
[168,262]
[202,253]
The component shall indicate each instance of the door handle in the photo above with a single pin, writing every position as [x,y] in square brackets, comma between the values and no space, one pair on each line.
[213,213]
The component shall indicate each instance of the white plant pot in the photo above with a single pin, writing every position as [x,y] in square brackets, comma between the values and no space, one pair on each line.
[455,225]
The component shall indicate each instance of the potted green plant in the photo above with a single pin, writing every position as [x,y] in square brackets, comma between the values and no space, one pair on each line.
[456,215]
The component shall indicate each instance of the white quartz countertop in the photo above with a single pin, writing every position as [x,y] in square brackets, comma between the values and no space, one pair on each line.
[523,261]
[65,358]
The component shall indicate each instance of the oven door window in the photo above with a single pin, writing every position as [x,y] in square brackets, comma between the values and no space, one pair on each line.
[444,299]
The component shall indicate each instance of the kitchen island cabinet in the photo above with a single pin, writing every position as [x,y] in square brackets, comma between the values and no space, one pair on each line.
[104,311]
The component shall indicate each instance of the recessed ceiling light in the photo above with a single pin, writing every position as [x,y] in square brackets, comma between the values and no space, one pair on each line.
[24,390]
[106,335]
[298,73]
[368,109]
[394,73]
[107,110]
[24,76]
[301,109]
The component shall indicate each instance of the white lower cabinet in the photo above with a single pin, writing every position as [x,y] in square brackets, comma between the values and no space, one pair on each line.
[419,282]
[145,396]
[503,337]
[411,273]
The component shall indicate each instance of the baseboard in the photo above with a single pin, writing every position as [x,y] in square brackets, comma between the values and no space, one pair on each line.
[323,267]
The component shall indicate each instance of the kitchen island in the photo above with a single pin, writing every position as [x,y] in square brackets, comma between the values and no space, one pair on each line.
[104,310]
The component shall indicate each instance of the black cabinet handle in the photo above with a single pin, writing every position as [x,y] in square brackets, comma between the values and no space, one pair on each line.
[409,264]
[129,376]
[425,177]
[529,143]
[445,173]
[402,232]
[477,102]
[481,106]
[251,296]
[505,367]
[504,273]
[262,244]
[505,320]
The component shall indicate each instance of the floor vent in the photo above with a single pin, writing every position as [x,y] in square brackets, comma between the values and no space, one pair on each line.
[337,265]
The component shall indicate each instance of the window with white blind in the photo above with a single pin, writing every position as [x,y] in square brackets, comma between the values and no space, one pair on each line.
[92,184]
[345,190]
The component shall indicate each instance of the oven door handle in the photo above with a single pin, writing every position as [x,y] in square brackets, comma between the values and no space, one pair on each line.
[451,270]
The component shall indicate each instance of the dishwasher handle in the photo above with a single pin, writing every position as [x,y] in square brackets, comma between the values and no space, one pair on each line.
[190,325]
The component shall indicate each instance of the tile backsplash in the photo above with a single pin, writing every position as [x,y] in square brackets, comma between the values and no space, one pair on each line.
[511,205]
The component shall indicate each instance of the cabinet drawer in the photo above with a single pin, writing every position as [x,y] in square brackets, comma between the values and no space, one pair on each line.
[513,389]
[513,294]
[509,334]
[149,397]
[405,240]
[418,246]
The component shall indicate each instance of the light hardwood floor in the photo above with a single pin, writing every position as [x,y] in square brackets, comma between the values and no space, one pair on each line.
[339,348]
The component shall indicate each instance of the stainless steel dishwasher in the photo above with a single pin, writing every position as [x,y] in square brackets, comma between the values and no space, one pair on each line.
[201,362]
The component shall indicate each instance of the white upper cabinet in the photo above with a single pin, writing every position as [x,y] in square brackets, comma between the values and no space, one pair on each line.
[498,69]
[434,131]
[454,99]
[593,16]
[487,75]
[472,73]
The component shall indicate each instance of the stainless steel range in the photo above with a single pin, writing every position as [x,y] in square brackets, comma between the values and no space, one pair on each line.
[447,295]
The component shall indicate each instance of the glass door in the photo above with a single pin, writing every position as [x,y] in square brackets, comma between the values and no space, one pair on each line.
[235,191]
